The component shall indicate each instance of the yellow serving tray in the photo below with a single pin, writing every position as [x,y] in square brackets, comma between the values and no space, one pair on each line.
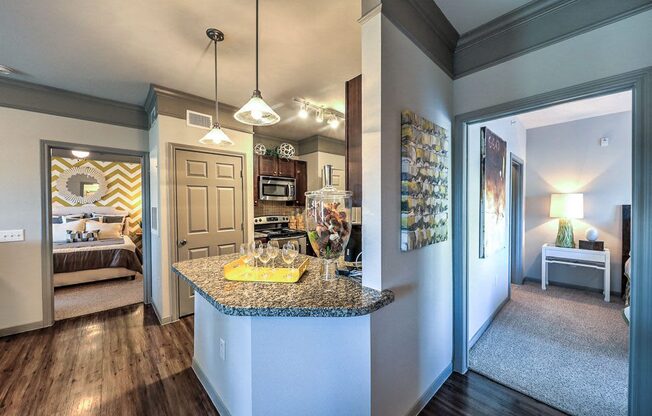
[237,270]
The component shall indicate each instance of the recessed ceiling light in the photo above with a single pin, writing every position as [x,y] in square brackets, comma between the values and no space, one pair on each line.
[80,153]
[7,70]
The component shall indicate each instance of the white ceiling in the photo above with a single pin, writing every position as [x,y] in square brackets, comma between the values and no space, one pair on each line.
[466,15]
[114,49]
[577,110]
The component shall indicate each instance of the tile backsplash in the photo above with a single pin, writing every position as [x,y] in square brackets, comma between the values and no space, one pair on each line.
[275,208]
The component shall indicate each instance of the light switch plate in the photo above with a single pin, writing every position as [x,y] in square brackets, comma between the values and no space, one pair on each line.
[7,236]
[222,349]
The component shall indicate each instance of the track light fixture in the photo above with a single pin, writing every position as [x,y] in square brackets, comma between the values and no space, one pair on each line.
[331,116]
[333,121]
[303,112]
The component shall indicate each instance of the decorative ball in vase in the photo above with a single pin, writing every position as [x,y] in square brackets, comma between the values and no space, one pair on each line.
[328,223]
[592,234]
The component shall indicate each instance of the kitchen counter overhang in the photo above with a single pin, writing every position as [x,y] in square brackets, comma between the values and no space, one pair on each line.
[311,296]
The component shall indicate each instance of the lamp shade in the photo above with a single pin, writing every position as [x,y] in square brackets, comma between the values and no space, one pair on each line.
[567,205]
[256,112]
[216,136]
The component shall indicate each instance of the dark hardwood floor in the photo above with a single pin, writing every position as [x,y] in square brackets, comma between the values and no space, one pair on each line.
[473,394]
[122,362]
[118,362]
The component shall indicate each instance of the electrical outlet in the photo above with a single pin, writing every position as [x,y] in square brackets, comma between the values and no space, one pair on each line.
[12,235]
[222,349]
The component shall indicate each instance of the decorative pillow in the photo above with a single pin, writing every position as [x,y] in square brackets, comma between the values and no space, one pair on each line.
[73,217]
[60,231]
[106,231]
[112,219]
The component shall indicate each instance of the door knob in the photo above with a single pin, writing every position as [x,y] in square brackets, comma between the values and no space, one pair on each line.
[182,243]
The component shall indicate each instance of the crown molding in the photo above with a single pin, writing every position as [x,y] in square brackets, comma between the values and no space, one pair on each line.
[174,103]
[424,23]
[39,98]
[536,25]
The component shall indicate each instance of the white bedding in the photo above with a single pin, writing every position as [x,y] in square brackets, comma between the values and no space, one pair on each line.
[126,244]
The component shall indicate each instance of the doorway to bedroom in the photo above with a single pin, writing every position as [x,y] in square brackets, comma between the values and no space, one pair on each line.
[549,194]
[96,221]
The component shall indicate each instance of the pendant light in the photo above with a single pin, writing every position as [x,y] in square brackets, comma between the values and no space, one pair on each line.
[256,112]
[216,135]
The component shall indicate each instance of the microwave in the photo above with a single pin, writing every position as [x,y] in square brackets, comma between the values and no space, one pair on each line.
[272,188]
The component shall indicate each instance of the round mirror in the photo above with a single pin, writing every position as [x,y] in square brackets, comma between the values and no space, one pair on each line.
[81,185]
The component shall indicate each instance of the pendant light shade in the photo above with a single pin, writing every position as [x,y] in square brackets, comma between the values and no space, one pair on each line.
[216,135]
[256,112]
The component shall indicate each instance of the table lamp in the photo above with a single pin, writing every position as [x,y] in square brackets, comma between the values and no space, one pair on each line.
[566,207]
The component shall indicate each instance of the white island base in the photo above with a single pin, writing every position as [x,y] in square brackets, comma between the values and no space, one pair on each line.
[283,365]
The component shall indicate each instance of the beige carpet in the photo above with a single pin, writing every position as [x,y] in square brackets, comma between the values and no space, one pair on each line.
[564,347]
[78,300]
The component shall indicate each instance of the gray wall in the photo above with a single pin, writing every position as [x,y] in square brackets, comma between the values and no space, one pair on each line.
[488,285]
[20,176]
[610,50]
[568,157]
[411,339]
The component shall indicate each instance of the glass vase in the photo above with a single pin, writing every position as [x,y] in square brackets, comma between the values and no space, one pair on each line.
[328,223]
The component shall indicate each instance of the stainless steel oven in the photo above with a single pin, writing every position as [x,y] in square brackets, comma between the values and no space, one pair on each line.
[271,188]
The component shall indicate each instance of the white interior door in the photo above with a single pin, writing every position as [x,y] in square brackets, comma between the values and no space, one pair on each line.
[209,208]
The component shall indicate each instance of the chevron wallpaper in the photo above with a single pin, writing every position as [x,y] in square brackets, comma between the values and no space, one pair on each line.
[123,181]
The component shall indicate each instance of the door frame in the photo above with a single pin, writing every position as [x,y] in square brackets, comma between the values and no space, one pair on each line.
[173,252]
[516,244]
[46,218]
[640,83]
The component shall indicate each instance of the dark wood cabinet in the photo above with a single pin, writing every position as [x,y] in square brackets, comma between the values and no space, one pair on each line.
[285,168]
[301,176]
[267,165]
[353,131]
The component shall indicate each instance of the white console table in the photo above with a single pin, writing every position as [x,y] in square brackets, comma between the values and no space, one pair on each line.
[551,254]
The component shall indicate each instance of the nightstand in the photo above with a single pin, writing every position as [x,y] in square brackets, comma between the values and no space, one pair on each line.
[600,260]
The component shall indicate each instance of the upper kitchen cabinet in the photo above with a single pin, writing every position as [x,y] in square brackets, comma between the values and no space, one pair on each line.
[267,165]
[301,176]
[274,166]
[354,138]
[285,168]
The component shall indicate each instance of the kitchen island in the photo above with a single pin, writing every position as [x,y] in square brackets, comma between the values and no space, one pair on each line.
[282,348]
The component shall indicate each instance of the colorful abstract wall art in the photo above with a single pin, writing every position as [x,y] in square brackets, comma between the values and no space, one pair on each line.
[493,194]
[424,182]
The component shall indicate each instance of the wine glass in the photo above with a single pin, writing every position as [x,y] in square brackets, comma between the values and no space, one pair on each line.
[264,258]
[247,256]
[288,259]
[273,249]
[292,249]
[256,249]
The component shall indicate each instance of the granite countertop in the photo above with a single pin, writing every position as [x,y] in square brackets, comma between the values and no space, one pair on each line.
[310,296]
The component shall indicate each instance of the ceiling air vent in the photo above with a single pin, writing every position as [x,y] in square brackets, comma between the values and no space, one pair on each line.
[199,120]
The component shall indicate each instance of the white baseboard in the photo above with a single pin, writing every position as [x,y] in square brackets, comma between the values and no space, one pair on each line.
[215,398]
[13,330]
[486,324]
[161,320]
[431,391]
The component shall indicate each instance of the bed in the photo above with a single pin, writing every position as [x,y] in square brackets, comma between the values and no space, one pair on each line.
[91,261]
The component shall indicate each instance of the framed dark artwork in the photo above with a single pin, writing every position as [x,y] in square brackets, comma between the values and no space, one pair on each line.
[424,182]
[493,194]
